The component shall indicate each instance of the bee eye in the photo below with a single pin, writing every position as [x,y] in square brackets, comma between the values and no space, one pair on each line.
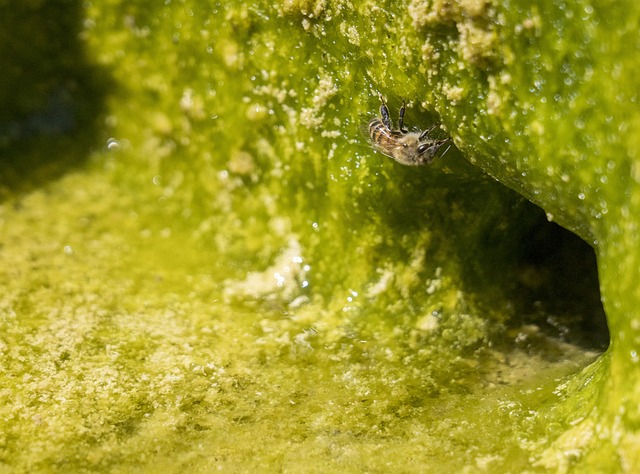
[422,148]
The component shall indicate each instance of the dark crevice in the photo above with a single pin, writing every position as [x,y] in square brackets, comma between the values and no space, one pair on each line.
[547,275]
[524,272]
[556,280]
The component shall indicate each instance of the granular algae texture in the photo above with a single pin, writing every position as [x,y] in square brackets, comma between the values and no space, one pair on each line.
[205,266]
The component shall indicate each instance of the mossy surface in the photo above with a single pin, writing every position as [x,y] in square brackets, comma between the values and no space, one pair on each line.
[205,266]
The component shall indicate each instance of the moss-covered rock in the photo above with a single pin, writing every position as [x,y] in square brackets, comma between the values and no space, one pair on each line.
[225,275]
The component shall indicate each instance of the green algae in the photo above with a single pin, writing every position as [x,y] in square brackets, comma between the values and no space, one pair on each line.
[234,280]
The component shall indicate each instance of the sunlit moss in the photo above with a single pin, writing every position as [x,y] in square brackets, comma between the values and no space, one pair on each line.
[234,279]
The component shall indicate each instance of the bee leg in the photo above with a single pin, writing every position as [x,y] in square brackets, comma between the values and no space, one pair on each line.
[384,112]
[439,144]
[401,118]
[426,132]
[429,152]
[447,149]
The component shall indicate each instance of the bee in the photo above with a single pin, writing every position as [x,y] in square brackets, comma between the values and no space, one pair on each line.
[407,148]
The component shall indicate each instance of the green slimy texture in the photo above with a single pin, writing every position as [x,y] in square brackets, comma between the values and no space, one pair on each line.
[209,268]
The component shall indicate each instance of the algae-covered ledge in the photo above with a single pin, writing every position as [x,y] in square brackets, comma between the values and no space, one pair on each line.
[232,262]
[549,113]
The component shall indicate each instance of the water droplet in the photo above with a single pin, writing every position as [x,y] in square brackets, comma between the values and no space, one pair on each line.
[113,144]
